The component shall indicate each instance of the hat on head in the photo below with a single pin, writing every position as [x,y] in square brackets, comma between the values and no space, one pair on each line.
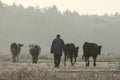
[58,35]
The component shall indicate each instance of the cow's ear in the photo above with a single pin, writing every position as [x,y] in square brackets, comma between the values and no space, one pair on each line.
[21,45]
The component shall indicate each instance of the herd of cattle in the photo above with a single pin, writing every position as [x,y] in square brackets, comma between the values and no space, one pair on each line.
[70,52]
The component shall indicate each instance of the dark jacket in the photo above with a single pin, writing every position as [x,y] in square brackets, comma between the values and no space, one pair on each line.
[57,46]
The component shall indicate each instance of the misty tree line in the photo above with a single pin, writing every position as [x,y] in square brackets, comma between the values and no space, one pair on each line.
[26,24]
[67,17]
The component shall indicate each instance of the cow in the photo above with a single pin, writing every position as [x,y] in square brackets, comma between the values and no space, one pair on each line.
[15,50]
[70,52]
[34,51]
[91,50]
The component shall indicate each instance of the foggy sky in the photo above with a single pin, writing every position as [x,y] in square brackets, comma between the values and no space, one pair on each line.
[99,7]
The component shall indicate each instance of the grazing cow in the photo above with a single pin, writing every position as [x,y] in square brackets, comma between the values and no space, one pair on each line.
[15,50]
[70,51]
[34,51]
[91,50]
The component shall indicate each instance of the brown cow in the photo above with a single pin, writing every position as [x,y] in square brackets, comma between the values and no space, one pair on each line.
[15,50]
[70,51]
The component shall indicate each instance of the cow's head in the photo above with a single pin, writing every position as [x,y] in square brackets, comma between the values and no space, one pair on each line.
[99,49]
[20,45]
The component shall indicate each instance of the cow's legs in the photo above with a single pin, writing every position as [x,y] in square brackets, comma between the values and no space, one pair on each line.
[17,58]
[14,58]
[94,64]
[71,59]
[75,60]
[33,57]
[65,60]
[36,59]
[87,61]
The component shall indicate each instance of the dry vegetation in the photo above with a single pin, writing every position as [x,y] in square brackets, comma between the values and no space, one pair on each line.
[47,72]
[44,70]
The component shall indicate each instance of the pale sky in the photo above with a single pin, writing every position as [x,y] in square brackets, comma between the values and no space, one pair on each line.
[99,7]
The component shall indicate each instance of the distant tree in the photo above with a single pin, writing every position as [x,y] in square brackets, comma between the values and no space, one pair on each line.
[51,10]
[67,12]
[76,13]
[116,14]
[105,15]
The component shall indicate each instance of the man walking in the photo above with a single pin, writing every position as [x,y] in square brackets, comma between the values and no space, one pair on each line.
[57,48]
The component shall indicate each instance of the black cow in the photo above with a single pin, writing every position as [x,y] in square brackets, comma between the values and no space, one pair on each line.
[15,50]
[34,51]
[70,51]
[91,50]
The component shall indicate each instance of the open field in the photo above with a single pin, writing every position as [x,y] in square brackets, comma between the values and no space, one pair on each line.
[107,69]
[45,70]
